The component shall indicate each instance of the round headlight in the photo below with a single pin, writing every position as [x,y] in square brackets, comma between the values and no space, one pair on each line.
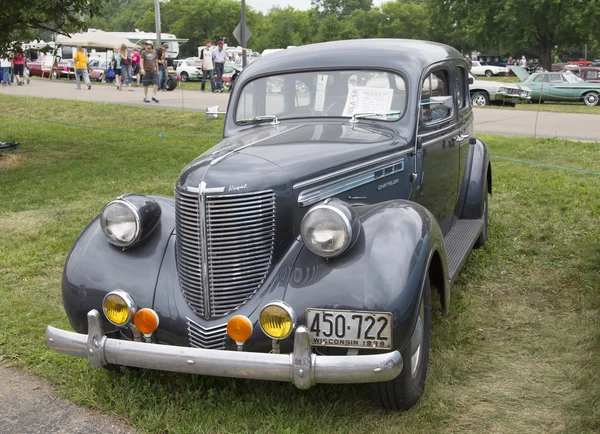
[120,223]
[328,229]
[119,308]
[277,319]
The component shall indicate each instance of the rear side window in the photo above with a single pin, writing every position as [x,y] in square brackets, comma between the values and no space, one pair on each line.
[461,86]
[435,84]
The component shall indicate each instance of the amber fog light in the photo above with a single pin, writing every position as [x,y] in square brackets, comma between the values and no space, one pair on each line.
[239,329]
[277,320]
[119,308]
[146,321]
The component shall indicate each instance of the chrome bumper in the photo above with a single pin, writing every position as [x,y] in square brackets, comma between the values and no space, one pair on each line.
[302,367]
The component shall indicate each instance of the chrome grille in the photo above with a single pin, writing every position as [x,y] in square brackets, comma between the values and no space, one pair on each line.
[512,91]
[188,248]
[200,337]
[240,237]
[237,242]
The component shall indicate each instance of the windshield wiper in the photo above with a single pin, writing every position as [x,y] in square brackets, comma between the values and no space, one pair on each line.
[356,116]
[258,119]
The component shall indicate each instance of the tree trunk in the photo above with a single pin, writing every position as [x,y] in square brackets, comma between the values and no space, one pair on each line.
[545,48]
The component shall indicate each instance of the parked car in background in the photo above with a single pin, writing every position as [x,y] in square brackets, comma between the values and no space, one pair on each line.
[484,68]
[558,86]
[485,92]
[60,69]
[587,73]
[97,69]
[189,69]
[306,246]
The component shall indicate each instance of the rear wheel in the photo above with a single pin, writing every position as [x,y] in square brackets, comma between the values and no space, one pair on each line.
[185,76]
[591,99]
[404,391]
[483,236]
[488,73]
[480,99]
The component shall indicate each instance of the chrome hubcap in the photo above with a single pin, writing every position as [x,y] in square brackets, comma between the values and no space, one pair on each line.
[479,100]
[415,359]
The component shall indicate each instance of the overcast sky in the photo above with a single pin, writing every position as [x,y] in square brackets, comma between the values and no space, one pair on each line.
[265,5]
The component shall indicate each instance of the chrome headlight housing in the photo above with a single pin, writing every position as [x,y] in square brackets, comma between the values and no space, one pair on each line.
[328,229]
[129,219]
[501,90]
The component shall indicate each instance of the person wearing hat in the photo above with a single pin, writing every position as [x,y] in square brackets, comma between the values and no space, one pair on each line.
[219,57]
[149,70]
[162,66]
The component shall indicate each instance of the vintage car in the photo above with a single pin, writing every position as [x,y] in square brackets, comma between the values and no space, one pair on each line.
[484,68]
[587,73]
[306,245]
[189,69]
[485,92]
[558,86]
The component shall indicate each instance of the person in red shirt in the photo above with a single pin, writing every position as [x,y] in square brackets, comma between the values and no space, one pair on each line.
[18,63]
[135,64]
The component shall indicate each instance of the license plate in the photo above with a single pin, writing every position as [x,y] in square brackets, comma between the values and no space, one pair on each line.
[349,329]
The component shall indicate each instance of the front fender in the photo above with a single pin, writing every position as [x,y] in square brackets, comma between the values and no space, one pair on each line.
[384,271]
[94,267]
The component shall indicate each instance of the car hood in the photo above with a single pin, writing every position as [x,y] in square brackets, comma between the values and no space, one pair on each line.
[304,151]
[520,72]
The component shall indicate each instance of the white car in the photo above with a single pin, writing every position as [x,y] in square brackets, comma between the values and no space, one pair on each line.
[189,69]
[483,68]
[485,92]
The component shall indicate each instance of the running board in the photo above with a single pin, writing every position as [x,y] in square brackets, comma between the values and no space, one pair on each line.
[459,242]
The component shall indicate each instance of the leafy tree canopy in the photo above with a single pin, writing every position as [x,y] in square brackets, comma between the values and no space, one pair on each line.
[25,19]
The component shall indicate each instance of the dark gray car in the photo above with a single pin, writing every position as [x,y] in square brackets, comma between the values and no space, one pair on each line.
[304,246]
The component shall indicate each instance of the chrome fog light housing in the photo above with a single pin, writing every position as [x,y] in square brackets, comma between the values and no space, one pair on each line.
[129,219]
[277,320]
[330,228]
[118,308]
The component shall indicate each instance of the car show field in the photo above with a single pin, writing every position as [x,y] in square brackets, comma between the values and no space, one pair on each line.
[524,309]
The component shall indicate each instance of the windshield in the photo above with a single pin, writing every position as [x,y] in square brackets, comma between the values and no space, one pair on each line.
[372,94]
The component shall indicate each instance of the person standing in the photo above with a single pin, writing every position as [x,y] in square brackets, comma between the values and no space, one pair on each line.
[162,66]
[18,64]
[116,60]
[219,57]
[206,56]
[149,69]
[81,69]
[125,66]
[135,63]
[5,68]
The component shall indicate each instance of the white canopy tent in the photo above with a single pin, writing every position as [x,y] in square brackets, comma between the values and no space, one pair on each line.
[94,39]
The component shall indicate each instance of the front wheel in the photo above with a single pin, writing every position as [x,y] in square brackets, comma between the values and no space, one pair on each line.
[404,391]
[489,73]
[185,76]
[480,99]
[591,99]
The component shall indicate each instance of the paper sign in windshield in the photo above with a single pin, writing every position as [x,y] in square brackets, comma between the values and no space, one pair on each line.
[320,95]
[362,99]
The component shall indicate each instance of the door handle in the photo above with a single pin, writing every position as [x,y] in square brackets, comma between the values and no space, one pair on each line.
[461,137]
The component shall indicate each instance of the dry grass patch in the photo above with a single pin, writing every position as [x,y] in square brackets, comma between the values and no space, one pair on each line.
[8,161]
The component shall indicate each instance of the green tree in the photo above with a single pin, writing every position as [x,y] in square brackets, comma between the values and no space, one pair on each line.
[23,19]
[341,7]
[281,28]
[408,20]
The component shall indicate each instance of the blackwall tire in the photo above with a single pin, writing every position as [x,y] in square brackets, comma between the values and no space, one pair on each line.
[480,99]
[489,73]
[184,76]
[483,236]
[171,83]
[404,391]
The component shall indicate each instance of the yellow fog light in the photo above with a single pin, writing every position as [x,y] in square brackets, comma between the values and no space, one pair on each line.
[239,329]
[277,319]
[119,308]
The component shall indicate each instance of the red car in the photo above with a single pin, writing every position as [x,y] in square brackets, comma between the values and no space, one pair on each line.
[587,73]
[64,68]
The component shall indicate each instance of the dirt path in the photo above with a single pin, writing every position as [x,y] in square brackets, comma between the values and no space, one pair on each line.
[29,405]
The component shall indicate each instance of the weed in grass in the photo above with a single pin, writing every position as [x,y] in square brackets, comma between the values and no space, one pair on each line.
[518,351]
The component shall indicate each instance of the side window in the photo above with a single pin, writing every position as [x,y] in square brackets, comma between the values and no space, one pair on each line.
[557,79]
[592,75]
[435,84]
[461,86]
[541,79]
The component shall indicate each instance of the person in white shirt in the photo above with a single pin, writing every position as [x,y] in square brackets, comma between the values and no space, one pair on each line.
[219,57]
[4,68]
[207,66]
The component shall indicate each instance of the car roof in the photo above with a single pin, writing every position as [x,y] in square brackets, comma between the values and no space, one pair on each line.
[395,54]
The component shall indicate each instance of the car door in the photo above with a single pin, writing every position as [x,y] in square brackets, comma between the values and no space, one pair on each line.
[438,156]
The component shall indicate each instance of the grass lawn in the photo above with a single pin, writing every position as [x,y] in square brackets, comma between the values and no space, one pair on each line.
[518,352]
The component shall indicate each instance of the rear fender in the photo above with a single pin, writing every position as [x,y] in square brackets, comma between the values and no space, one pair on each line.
[478,175]
[94,267]
[384,271]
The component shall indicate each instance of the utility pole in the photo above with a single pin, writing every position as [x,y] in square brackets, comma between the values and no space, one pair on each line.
[157,19]
[243,33]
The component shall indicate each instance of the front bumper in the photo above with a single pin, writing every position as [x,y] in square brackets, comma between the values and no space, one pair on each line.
[303,368]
